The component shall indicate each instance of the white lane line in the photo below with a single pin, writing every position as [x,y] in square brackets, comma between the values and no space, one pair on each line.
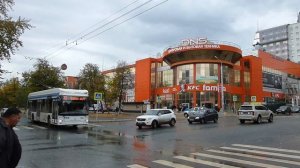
[237,160]
[255,157]
[26,127]
[39,127]
[267,148]
[171,164]
[136,166]
[262,152]
[16,129]
[94,125]
[204,162]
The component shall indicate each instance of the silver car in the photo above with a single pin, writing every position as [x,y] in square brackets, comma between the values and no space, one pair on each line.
[255,113]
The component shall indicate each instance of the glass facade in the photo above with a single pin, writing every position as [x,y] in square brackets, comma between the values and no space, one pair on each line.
[185,74]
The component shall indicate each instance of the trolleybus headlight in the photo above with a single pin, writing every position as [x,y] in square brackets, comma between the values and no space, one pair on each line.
[60,121]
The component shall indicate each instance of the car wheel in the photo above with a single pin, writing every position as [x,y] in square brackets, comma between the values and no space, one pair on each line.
[49,121]
[270,118]
[172,122]
[258,121]
[32,117]
[185,115]
[215,120]
[154,124]
[190,122]
[242,121]
[140,127]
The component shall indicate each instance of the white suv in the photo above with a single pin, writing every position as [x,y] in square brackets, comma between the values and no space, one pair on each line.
[156,117]
[255,113]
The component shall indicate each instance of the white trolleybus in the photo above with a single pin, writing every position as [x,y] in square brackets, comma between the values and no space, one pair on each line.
[59,106]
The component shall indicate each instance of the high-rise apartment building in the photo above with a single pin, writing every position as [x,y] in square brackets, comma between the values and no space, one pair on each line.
[282,41]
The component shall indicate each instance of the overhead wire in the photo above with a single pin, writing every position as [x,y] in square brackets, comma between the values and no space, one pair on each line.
[64,45]
[84,40]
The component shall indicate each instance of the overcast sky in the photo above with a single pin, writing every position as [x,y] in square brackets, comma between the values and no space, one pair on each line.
[103,32]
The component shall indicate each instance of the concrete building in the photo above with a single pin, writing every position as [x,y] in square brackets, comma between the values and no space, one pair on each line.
[282,41]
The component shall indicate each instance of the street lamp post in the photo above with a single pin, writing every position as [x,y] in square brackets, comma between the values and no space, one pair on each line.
[222,90]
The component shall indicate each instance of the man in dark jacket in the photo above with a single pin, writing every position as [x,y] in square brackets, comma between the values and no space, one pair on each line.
[10,147]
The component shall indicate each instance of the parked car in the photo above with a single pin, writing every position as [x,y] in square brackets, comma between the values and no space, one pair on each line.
[3,111]
[284,110]
[295,109]
[202,115]
[156,117]
[255,113]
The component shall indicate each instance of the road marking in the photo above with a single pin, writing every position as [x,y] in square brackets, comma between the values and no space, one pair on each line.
[16,129]
[136,166]
[255,157]
[94,125]
[26,127]
[204,162]
[237,160]
[262,152]
[39,127]
[171,164]
[266,148]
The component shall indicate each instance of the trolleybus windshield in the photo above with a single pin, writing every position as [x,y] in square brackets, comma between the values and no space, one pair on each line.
[72,105]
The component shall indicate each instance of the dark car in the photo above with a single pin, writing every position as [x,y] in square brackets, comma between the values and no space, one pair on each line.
[284,110]
[203,115]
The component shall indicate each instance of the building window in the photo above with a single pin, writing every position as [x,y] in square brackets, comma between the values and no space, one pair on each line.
[247,79]
[185,74]
[167,78]
[237,77]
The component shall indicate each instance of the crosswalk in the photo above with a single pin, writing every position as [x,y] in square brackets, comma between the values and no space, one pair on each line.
[236,155]
[29,127]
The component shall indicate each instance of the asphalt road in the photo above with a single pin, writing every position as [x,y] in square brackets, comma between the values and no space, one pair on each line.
[121,144]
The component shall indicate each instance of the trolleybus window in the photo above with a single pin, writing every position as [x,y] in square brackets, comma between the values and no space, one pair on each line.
[72,105]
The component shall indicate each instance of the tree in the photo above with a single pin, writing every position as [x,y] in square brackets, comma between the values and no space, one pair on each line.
[10,32]
[91,79]
[9,93]
[120,82]
[45,76]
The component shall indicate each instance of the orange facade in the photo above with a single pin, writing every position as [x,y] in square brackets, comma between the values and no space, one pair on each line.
[250,64]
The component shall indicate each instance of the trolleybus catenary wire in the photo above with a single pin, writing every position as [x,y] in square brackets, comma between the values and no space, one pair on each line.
[75,42]
[78,43]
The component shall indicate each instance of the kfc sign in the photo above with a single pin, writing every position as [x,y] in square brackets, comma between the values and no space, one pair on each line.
[166,90]
[193,87]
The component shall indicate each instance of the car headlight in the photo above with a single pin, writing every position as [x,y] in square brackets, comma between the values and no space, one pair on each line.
[148,119]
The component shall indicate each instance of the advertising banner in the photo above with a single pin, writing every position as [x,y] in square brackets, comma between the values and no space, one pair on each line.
[207,79]
[271,80]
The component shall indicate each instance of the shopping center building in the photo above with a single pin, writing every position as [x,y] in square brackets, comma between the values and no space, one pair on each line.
[202,72]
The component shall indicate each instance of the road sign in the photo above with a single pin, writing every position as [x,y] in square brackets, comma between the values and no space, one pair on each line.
[97,96]
[253,98]
[234,98]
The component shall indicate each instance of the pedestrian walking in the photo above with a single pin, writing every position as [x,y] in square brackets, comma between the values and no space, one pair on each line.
[10,147]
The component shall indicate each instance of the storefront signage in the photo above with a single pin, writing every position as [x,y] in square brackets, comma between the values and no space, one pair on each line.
[197,41]
[193,87]
[201,46]
[213,88]
[166,90]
